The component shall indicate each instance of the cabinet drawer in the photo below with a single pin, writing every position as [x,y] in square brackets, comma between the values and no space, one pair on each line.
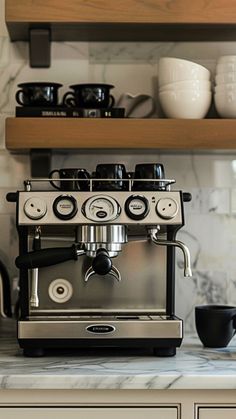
[217,413]
[89,413]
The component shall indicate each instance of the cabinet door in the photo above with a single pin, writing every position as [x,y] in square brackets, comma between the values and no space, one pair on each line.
[88,413]
[217,413]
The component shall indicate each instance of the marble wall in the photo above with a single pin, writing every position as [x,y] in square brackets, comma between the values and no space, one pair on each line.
[210,229]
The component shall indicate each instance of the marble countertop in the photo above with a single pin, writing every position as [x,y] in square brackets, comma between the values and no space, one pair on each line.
[193,367]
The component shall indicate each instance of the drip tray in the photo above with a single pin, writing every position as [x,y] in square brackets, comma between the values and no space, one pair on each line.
[99,318]
[101,327]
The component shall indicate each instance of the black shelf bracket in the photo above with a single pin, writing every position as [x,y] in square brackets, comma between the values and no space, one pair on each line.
[40,160]
[40,48]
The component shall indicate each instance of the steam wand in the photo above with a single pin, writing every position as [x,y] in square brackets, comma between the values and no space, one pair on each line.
[34,299]
[187,264]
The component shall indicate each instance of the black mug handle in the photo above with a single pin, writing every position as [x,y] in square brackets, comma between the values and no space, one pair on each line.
[83,174]
[69,101]
[83,185]
[51,181]
[234,322]
[18,99]
[112,100]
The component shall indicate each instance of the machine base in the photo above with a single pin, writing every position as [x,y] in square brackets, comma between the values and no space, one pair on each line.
[164,352]
[162,335]
[39,347]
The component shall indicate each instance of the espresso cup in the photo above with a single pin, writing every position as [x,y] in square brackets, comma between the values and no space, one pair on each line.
[38,94]
[73,184]
[215,324]
[90,96]
[115,171]
[152,171]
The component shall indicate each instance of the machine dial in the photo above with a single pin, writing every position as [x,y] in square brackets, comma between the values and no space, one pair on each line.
[35,208]
[167,208]
[65,207]
[101,208]
[60,290]
[137,207]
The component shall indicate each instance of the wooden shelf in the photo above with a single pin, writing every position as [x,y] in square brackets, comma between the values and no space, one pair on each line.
[23,134]
[110,20]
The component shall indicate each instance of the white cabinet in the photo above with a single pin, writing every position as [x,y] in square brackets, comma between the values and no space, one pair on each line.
[88,413]
[217,413]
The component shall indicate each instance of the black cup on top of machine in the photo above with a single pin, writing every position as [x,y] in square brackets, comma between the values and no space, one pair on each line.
[215,324]
[38,94]
[148,171]
[77,179]
[110,171]
[90,96]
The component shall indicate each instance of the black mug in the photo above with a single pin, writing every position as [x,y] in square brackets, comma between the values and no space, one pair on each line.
[90,96]
[72,184]
[115,171]
[152,171]
[215,324]
[38,94]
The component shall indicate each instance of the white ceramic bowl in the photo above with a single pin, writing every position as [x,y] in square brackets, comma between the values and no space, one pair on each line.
[223,78]
[171,70]
[227,87]
[226,59]
[226,104]
[187,104]
[225,68]
[187,84]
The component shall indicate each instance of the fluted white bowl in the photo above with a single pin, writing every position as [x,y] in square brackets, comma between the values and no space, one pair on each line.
[187,84]
[186,104]
[225,68]
[225,103]
[223,78]
[171,70]
[226,59]
[226,87]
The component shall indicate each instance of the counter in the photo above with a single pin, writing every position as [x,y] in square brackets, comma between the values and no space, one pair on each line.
[193,367]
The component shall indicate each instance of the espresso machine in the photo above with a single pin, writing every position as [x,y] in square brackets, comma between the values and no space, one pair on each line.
[97,261]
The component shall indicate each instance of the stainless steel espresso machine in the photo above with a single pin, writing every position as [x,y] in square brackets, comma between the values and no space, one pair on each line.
[97,261]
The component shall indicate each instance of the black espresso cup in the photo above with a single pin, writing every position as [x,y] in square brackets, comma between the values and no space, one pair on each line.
[114,171]
[215,324]
[90,96]
[148,171]
[38,94]
[72,184]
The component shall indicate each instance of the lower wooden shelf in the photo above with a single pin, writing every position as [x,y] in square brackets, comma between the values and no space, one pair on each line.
[58,133]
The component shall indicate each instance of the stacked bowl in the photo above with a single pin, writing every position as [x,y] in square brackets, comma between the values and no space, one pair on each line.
[225,89]
[184,88]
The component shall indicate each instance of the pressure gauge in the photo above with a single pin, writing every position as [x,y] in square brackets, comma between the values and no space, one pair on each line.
[65,207]
[137,207]
[101,208]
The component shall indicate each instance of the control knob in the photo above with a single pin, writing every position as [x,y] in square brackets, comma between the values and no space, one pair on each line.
[65,207]
[35,208]
[137,207]
[167,208]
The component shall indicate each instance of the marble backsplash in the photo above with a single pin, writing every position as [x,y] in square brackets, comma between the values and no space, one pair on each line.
[210,230]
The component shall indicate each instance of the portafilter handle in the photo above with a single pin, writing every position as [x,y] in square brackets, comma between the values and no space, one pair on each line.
[48,257]
[176,243]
